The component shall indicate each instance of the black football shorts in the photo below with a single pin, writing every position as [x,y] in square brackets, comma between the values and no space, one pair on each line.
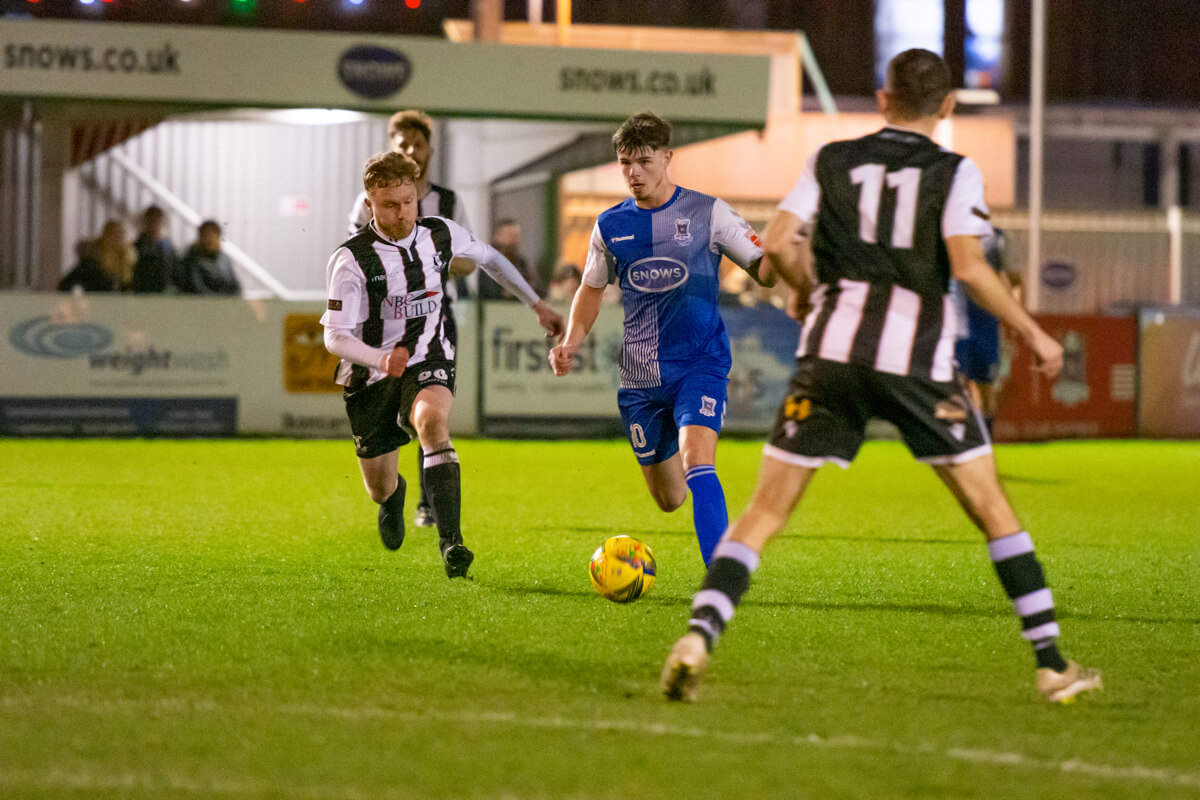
[824,416]
[379,413]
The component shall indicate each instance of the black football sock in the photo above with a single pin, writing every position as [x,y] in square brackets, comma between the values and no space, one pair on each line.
[727,580]
[445,493]
[423,497]
[1024,581]
[391,517]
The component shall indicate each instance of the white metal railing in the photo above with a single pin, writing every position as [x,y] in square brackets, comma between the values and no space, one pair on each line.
[189,214]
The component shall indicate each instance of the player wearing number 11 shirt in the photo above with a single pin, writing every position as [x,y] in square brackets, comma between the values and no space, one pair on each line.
[891,217]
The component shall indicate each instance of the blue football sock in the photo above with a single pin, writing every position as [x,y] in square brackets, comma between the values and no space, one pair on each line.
[709,514]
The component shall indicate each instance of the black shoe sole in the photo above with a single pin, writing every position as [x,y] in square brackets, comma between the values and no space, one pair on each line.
[457,560]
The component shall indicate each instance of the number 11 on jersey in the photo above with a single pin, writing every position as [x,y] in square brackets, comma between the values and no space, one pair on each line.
[906,182]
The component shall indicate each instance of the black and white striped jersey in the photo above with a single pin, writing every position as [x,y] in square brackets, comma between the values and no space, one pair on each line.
[881,207]
[389,293]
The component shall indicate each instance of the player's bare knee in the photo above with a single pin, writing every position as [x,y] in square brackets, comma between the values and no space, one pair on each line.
[669,500]
[432,429]
[380,492]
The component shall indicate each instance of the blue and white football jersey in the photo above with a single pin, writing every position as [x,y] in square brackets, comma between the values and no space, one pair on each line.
[666,261]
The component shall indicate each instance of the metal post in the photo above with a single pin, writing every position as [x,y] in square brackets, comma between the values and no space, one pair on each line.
[564,22]
[488,16]
[1175,254]
[533,10]
[1037,108]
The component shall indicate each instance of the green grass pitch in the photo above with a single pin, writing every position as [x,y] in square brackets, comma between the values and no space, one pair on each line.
[219,619]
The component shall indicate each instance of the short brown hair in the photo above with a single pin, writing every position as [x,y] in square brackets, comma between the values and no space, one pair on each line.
[644,131]
[385,169]
[917,83]
[411,119]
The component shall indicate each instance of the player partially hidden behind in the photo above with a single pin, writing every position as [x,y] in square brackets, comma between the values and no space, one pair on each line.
[664,246]
[891,218]
[389,322]
[977,350]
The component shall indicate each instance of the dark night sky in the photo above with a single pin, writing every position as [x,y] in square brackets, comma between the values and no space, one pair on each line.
[1141,52]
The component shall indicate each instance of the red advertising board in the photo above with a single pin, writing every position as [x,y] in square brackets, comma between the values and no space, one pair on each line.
[1093,397]
[1169,398]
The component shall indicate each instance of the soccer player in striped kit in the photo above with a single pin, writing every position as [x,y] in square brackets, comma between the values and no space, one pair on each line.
[411,132]
[664,246]
[389,320]
[891,217]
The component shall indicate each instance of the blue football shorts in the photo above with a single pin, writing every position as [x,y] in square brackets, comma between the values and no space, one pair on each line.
[653,417]
[978,355]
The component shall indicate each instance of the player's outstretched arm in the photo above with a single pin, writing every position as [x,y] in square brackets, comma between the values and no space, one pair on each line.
[968,265]
[785,250]
[584,310]
[550,320]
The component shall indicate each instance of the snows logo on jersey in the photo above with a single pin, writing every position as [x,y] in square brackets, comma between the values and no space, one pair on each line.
[657,274]
[421,303]
[683,233]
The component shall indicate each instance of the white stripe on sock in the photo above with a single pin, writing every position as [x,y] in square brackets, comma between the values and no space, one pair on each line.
[1009,546]
[444,457]
[718,600]
[705,625]
[1047,631]
[738,552]
[1033,603]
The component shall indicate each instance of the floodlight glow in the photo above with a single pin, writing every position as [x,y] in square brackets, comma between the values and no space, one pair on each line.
[314,116]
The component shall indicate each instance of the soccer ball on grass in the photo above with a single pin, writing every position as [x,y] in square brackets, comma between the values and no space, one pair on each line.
[622,569]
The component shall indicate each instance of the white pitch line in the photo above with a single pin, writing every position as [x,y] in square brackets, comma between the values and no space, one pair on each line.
[84,779]
[1133,773]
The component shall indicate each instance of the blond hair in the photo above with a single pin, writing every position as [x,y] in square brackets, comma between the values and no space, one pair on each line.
[384,169]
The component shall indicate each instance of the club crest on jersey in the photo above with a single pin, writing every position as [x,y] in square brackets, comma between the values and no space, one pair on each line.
[683,233]
[421,303]
[657,274]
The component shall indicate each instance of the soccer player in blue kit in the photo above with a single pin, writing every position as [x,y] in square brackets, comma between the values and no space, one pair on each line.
[664,247]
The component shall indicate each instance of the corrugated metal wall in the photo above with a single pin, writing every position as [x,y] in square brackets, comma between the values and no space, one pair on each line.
[281,192]
[20,160]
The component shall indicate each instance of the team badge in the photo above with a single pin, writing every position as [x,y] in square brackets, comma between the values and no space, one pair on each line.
[683,233]
[708,406]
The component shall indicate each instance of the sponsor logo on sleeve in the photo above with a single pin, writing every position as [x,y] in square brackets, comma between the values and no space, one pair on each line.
[335,305]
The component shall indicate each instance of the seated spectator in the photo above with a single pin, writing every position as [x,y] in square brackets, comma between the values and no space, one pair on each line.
[507,239]
[105,264]
[565,283]
[206,268]
[155,267]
